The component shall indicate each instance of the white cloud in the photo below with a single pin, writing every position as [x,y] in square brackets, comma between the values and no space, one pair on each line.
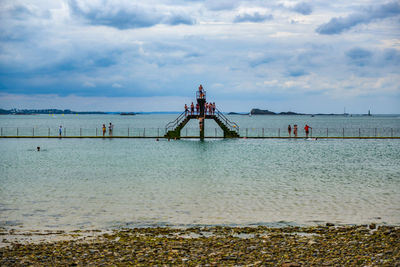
[89,84]
[116,85]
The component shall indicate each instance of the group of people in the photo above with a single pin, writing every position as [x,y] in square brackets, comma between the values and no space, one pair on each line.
[110,129]
[104,128]
[306,129]
[209,108]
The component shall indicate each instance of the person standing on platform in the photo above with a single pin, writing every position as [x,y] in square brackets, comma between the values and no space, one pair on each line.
[192,109]
[295,130]
[197,108]
[213,108]
[186,110]
[60,131]
[110,129]
[289,129]
[307,130]
[104,129]
[201,94]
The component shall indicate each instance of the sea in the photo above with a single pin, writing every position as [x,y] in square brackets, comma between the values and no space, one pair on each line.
[117,183]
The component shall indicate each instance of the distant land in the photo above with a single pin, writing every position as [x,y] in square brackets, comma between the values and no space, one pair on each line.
[256,111]
[45,111]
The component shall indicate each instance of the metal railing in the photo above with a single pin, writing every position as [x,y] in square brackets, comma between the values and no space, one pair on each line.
[194,132]
[172,125]
[232,125]
[321,132]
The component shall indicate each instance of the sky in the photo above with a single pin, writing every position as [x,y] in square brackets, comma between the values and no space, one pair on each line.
[125,55]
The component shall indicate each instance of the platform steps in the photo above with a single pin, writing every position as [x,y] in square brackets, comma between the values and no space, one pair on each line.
[180,122]
[227,132]
[176,132]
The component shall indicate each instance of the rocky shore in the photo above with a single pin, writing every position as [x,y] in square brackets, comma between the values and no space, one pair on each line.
[329,245]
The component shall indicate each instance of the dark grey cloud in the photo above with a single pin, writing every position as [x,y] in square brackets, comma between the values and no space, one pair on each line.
[359,56]
[256,17]
[303,8]
[18,23]
[261,61]
[21,12]
[180,19]
[365,16]
[121,17]
[391,56]
[297,72]
[16,34]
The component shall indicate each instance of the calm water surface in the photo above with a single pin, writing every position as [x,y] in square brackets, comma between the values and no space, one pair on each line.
[88,183]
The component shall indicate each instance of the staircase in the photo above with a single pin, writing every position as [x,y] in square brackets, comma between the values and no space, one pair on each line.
[228,133]
[230,129]
[174,127]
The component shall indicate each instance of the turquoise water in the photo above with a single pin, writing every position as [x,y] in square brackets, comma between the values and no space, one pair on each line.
[102,184]
[154,125]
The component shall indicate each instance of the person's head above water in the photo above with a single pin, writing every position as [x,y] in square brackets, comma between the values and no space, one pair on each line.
[38,148]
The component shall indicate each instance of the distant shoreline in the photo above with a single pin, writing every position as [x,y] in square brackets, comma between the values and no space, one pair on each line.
[256,111]
[130,113]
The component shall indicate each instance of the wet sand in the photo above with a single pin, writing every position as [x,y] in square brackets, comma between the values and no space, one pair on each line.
[363,245]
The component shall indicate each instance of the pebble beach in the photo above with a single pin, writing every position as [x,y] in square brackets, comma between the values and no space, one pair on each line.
[327,245]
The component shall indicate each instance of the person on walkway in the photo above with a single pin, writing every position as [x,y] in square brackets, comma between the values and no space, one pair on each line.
[307,130]
[295,130]
[210,108]
[186,110]
[205,108]
[60,131]
[289,129]
[197,108]
[104,130]
[110,129]
[192,109]
[213,108]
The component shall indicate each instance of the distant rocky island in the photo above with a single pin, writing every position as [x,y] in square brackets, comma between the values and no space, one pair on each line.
[256,111]
[44,111]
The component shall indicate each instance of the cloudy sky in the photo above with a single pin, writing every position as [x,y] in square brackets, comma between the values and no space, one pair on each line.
[126,55]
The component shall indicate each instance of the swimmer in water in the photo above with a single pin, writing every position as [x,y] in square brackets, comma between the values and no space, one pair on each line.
[38,148]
